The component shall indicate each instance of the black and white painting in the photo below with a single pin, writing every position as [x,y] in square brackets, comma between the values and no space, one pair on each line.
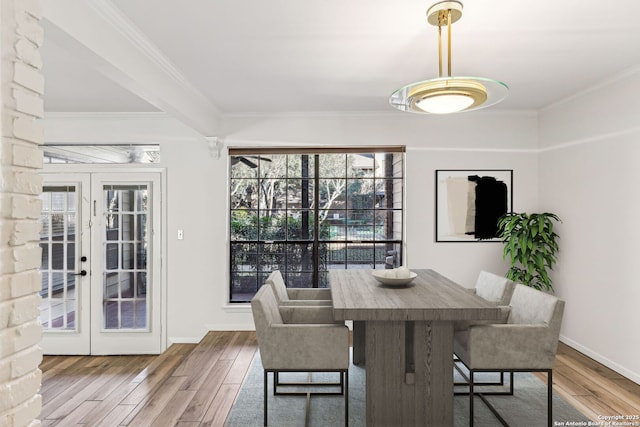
[470,202]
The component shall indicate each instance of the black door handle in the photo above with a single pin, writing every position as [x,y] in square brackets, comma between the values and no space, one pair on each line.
[82,273]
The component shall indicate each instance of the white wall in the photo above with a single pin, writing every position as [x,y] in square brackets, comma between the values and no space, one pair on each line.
[484,130]
[484,140]
[197,267]
[589,175]
[460,261]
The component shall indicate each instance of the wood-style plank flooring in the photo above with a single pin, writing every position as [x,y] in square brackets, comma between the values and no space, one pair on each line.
[195,385]
[188,385]
[592,388]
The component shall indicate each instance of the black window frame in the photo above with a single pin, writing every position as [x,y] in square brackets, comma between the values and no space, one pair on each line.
[256,251]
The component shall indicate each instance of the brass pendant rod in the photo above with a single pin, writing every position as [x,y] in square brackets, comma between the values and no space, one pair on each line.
[439,51]
[449,42]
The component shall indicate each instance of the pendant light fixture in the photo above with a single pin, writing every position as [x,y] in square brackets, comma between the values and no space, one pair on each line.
[447,94]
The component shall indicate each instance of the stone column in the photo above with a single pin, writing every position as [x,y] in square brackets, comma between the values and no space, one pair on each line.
[21,135]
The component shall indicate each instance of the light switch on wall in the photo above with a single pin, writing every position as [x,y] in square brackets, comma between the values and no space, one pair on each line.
[180,234]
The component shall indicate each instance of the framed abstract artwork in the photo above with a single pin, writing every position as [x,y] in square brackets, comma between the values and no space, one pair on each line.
[470,202]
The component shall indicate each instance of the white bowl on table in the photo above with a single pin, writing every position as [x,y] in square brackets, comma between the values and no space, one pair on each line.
[394,277]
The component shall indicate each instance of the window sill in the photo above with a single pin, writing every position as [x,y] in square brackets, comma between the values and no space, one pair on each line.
[237,308]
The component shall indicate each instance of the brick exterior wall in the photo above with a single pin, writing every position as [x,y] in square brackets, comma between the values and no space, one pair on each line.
[22,134]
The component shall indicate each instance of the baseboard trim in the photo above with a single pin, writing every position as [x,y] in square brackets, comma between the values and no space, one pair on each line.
[185,340]
[212,328]
[249,326]
[633,376]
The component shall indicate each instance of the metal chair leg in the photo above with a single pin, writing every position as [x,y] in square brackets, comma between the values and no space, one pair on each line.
[482,396]
[346,398]
[265,396]
[471,397]
[344,389]
[456,360]
[549,397]
[277,383]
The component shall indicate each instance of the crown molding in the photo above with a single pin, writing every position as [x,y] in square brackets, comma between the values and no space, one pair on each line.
[119,21]
[613,79]
[605,137]
[366,114]
[137,115]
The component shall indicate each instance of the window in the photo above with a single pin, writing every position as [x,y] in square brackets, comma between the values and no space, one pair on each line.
[106,153]
[304,212]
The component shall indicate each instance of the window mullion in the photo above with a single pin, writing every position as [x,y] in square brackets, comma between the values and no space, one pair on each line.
[316,220]
[285,245]
[260,245]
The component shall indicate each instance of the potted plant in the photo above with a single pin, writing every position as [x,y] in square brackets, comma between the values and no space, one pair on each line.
[531,245]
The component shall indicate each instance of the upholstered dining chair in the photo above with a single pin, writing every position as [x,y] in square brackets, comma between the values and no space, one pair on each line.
[526,343]
[297,296]
[301,305]
[494,288]
[299,347]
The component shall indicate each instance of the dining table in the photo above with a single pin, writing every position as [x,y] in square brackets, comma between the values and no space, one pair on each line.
[404,337]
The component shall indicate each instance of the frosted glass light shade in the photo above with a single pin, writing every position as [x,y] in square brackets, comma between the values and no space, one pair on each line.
[445,104]
[465,94]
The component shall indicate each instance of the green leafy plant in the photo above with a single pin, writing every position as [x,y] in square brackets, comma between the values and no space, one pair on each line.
[531,245]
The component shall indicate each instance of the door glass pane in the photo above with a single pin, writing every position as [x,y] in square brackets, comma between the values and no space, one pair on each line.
[111,256]
[112,226]
[128,255]
[141,227]
[112,203]
[57,255]
[125,246]
[57,241]
[111,282]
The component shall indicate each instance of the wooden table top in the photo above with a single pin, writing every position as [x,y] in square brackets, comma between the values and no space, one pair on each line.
[357,295]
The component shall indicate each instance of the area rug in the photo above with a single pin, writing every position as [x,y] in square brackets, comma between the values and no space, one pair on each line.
[527,407]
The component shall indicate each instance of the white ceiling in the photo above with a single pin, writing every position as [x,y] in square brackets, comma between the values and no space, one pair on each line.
[256,56]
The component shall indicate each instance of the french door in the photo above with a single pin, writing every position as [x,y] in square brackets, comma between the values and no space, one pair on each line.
[100,241]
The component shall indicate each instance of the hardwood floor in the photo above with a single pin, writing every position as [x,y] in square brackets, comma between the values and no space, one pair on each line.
[195,385]
[188,385]
[594,389]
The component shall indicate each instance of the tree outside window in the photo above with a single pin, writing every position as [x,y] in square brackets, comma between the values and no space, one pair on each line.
[305,214]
